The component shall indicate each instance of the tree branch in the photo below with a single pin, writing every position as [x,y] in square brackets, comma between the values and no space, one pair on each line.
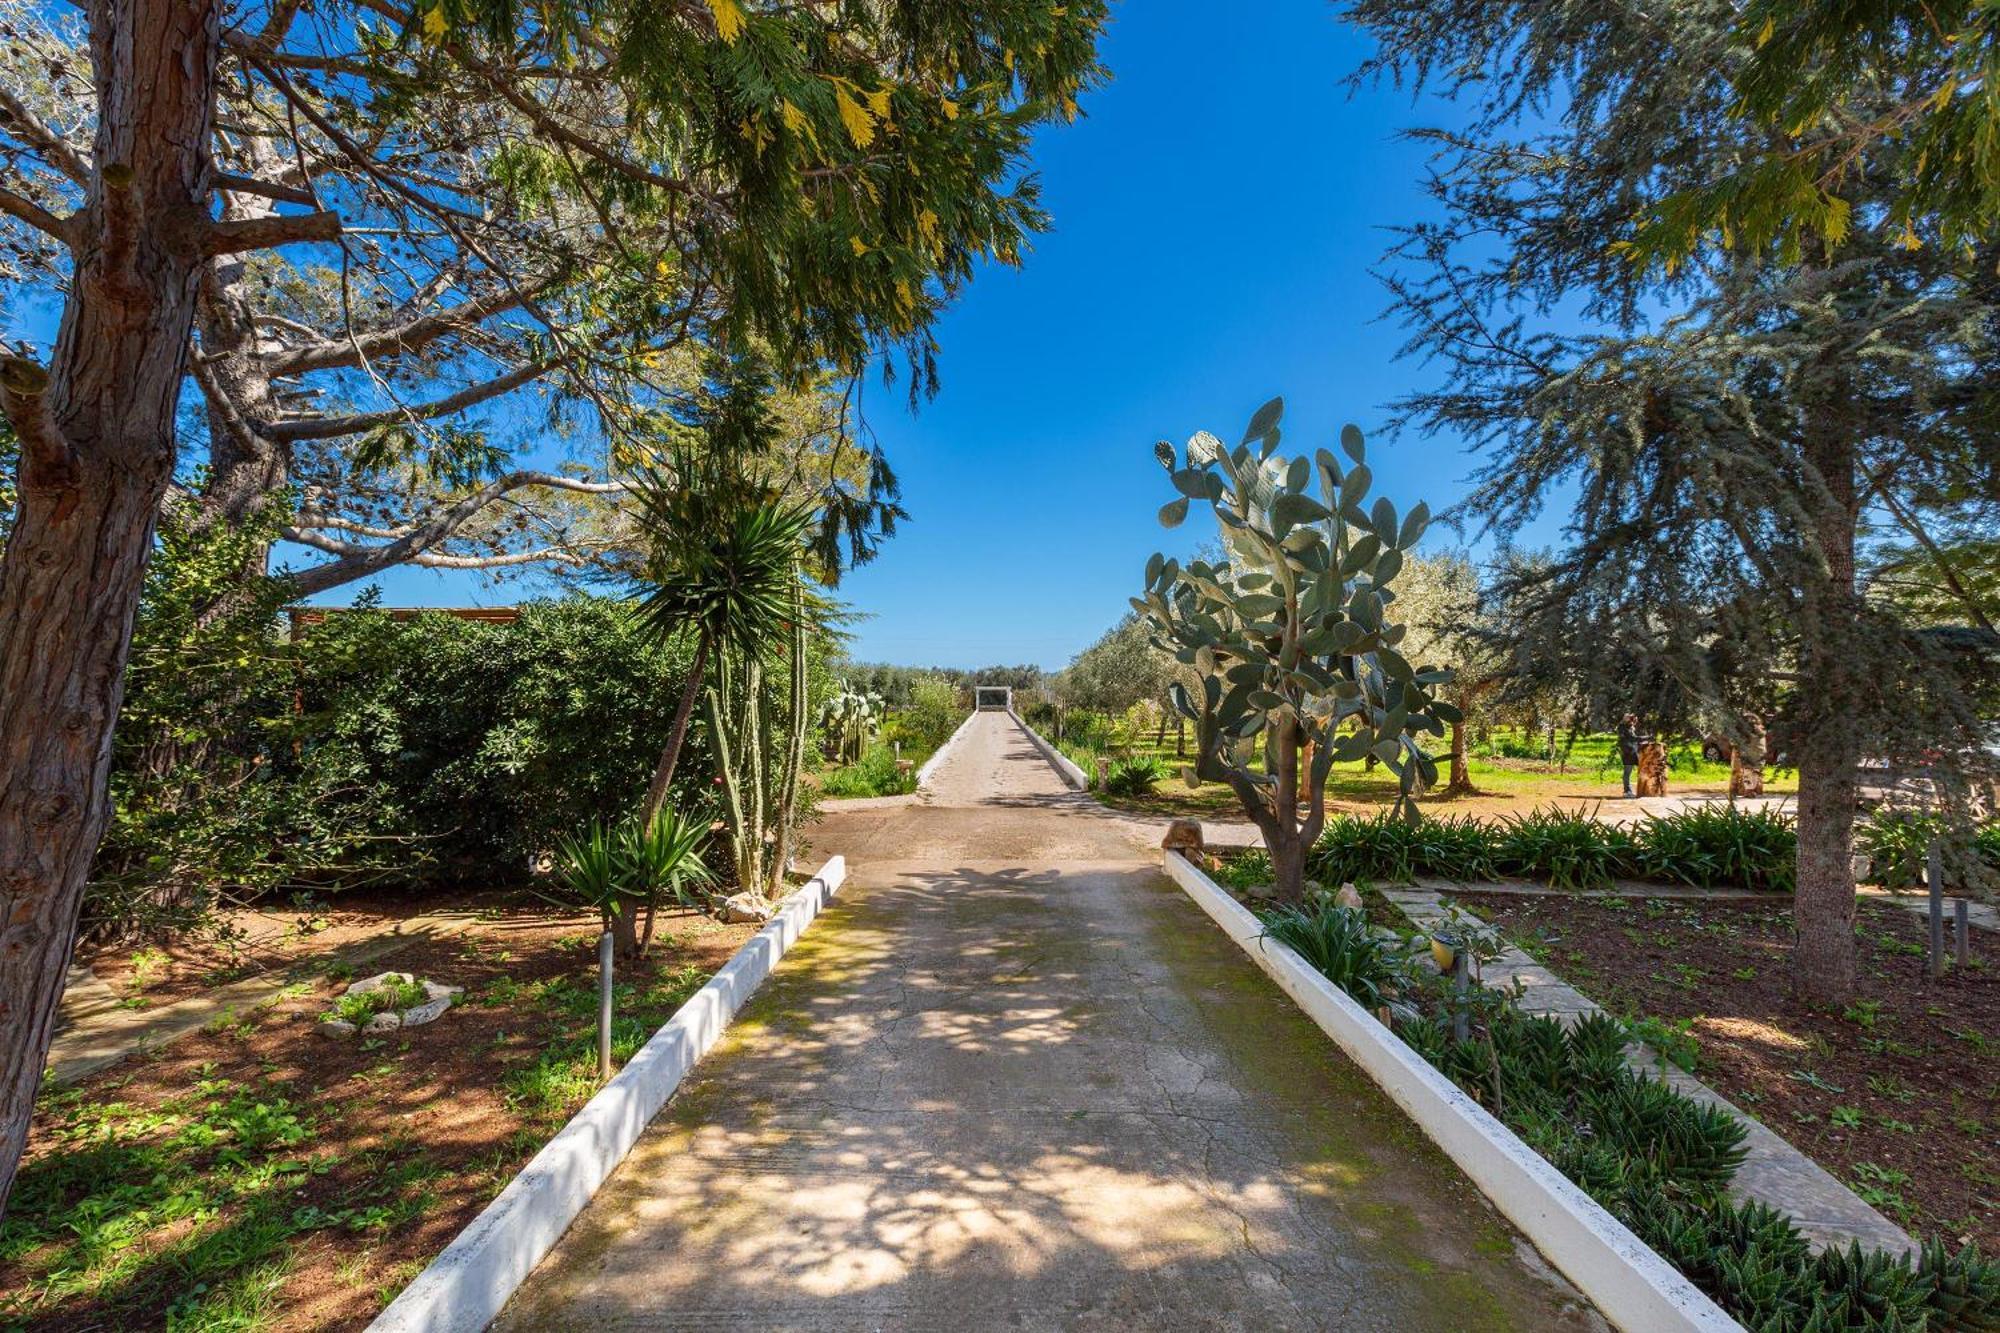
[284,194]
[385,343]
[258,233]
[327,428]
[416,545]
[48,463]
[37,132]
[28,211]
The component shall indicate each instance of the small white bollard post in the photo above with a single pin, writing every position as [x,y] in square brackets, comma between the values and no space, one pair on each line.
[604,1007]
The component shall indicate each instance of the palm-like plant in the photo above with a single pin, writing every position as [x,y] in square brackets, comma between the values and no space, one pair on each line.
[724,564]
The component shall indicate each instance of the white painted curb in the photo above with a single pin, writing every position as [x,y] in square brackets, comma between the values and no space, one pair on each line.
[1064,765]
[469,1282]
[1631,1286]
[937,755]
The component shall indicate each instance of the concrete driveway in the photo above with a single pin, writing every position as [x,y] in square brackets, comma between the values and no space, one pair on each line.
[1014,1079]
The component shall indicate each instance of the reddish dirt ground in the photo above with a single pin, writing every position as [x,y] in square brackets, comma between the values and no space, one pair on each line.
[1898,1095]
[436,1094]
[252,941]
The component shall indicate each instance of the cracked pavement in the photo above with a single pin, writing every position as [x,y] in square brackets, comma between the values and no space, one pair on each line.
[1013,1078]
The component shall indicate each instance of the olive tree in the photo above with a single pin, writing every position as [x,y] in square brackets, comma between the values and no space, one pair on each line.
[1290,633]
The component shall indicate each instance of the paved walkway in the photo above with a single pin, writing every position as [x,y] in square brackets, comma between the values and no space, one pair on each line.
[1014,1079]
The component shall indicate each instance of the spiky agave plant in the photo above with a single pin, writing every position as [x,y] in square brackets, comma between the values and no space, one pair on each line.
[1291,635]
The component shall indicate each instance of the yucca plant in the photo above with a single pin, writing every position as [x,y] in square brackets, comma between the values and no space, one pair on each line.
[588,866]
[1136,776]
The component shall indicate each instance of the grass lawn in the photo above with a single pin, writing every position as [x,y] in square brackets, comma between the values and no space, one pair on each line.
[1898,1095]
[256,1175]
[1502,785]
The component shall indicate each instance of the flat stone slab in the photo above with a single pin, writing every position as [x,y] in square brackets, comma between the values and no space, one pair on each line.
[1773,1171]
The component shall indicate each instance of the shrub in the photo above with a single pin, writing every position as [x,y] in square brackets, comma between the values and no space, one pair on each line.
[874,774]
[933,712]
[1897,843]
[1379,849]
[1711,845]
[493,740]
[395,994]
[1135,776]
[1247,869]
[1986,843]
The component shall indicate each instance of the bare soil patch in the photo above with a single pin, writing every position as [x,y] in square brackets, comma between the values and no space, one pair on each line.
[1898,1095]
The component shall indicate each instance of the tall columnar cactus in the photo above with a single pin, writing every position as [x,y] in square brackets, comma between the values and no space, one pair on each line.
[1290,636]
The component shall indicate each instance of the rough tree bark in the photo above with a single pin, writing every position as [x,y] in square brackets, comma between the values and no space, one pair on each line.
[1830,745]
[97,434]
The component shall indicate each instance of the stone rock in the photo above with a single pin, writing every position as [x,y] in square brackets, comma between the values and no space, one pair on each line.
[378,981]
[427,1012]
[744,908]
[1349,896]
[335,1027]
[1183,835]
[387,1021]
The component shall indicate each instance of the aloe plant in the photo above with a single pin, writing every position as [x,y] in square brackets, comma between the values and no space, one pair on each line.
[1291,635]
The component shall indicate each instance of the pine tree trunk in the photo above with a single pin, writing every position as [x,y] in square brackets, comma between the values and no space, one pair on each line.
[97,436]
[1823,965]
[663,772]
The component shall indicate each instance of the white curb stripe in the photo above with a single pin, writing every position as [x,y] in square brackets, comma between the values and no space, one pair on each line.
[1631,1285]
[469,1282]
[937,755]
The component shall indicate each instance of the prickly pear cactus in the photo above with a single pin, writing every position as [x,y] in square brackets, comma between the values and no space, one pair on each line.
[1292,636]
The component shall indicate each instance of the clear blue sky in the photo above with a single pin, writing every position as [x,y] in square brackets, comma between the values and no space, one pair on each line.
[1216,213]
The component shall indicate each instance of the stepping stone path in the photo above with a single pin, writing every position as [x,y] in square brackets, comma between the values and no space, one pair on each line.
[1013,1078]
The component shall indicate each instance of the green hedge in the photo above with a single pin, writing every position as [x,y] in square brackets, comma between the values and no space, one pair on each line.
[1706,847]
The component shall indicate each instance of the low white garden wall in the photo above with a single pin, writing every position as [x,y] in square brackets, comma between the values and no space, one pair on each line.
[466,1286]
[1064,765]
[1631,1285]
[930,765]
